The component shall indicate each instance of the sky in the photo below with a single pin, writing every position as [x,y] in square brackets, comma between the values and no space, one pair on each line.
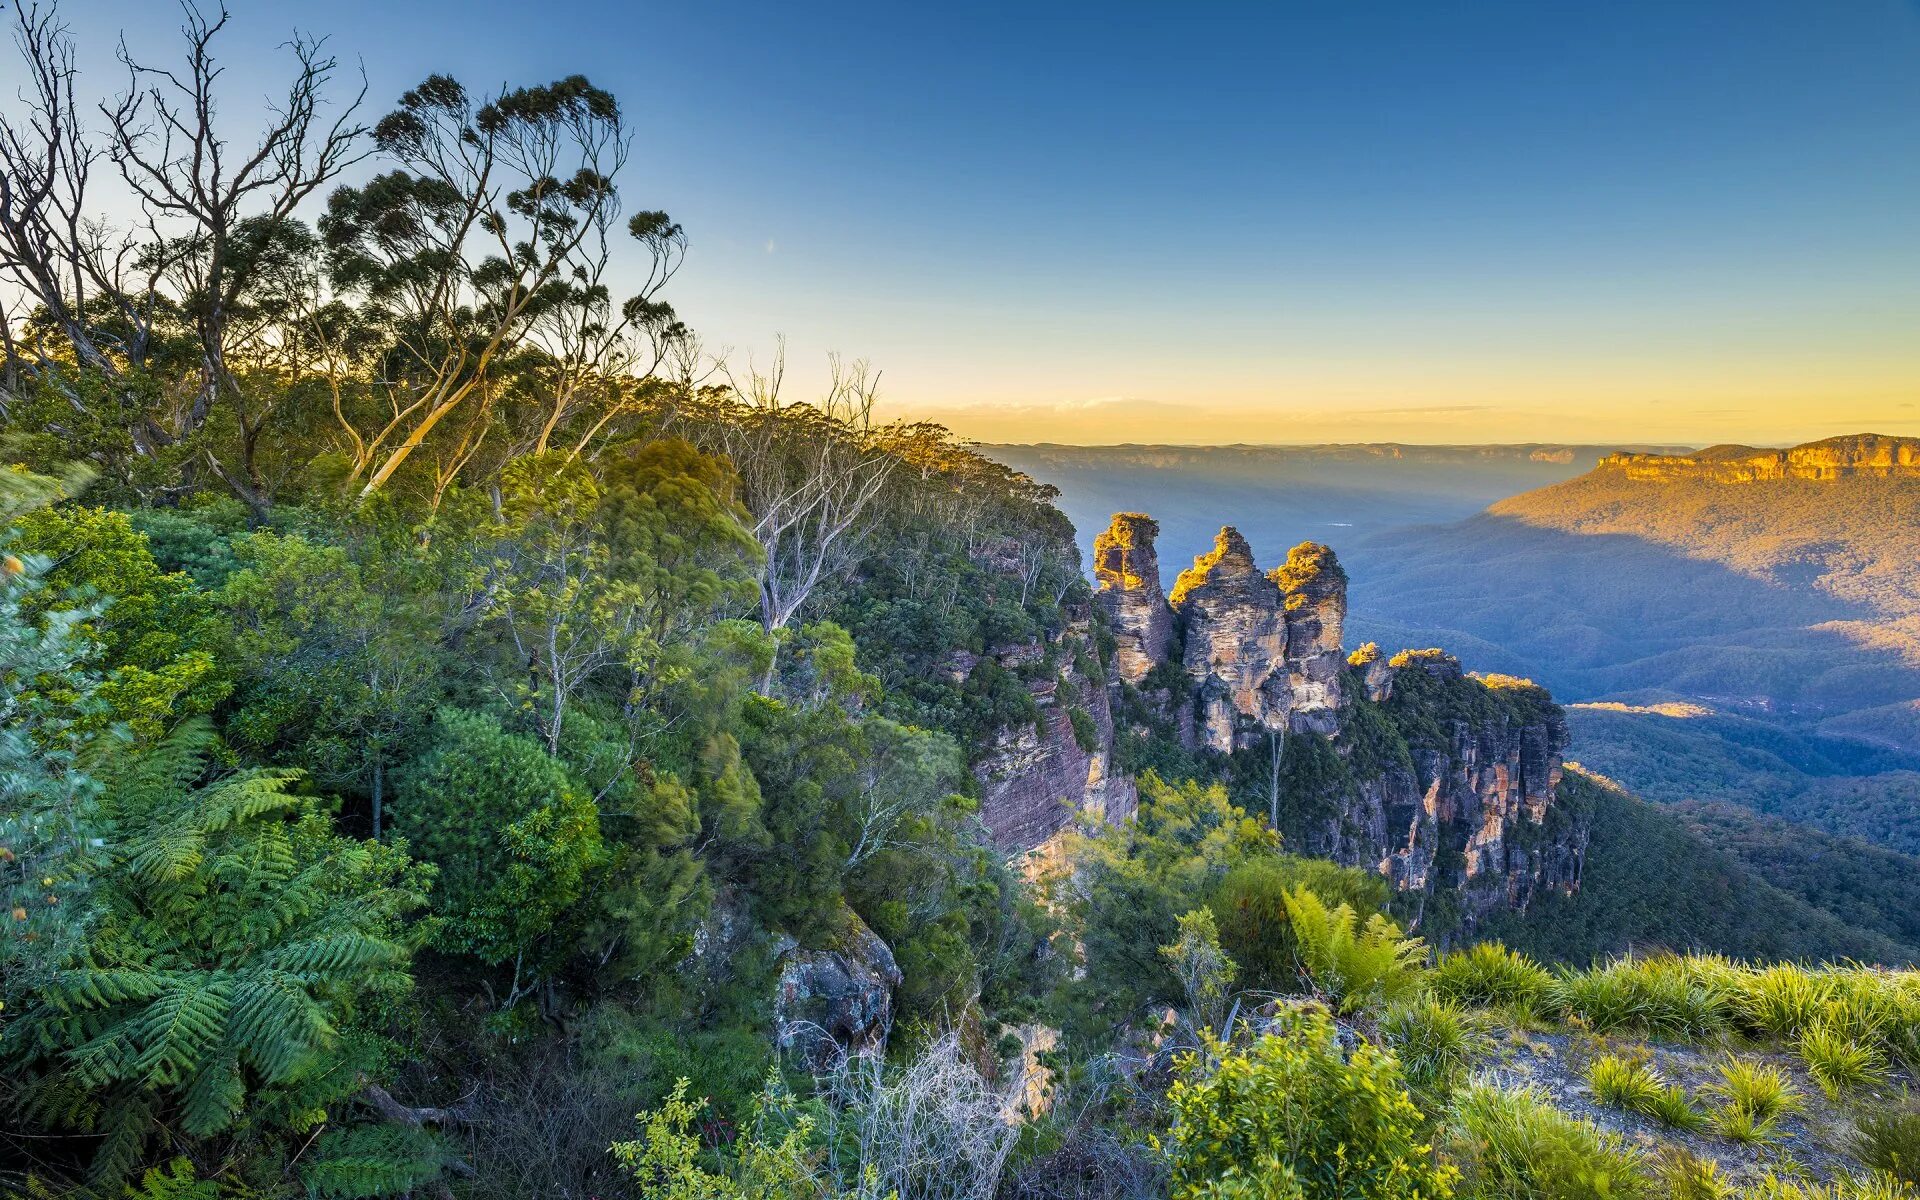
[1672,221]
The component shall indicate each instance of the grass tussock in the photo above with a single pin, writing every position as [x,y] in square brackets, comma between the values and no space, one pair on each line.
[1435,1039]
[1513,1145]
[1888,1140]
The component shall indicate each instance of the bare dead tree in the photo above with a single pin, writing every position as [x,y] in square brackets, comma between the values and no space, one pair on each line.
[219,203]
[809,475]
[66,263]
[932,1129]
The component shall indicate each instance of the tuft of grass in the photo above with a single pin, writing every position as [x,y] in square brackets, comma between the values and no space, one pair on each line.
[1838,1063]
[1757,1090]
[1661,996]
[1781,1001]
[1888,1140]
[1513,1145]
[1689,1177]
[1630,1083]
[1489,975]
[1671,1107]
[1435,1039]
[1877,1186]
[1742,1127]
[1623,1082]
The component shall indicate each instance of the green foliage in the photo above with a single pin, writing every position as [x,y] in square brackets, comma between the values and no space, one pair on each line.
[151,634]
[666,1162]
[1838,1062]
[1130,884]
[1671,996]
[1205,972]
[1250,908]
[512,835]
[1513,1145]
[1492,976]
[1756,1090]
[1292,1116]
[1353,964]
[237,940]
[1436,1040]
[372,1160]
[1888,1139]
[1627,1083]
[338,658]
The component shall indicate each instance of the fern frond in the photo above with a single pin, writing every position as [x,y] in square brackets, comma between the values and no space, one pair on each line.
[177,1029]
[372,1160]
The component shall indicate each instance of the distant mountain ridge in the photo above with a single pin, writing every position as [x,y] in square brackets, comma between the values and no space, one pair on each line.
[1868,454]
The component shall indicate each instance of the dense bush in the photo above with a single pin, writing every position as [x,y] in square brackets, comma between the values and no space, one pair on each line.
[1294,1116]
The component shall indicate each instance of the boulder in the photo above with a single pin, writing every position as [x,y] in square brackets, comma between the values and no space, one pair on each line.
[837,999]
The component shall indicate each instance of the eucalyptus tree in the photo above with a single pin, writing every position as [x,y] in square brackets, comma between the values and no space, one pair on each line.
[490,237]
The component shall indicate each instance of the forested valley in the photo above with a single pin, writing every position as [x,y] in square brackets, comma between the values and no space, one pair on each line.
[461,737]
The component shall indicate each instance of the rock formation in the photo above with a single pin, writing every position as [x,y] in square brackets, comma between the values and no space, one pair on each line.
[1039,776]
[1126,573]
[1236,643]
[836,999]
[1313,588]
[1442,782]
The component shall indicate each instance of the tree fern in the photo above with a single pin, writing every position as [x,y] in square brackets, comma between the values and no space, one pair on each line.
[238,937]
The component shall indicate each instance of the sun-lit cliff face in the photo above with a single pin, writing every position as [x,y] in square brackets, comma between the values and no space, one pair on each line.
[1445,783]
[1860,454]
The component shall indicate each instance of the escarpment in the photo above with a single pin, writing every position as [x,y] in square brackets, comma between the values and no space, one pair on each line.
[1445,783]
[1860,454]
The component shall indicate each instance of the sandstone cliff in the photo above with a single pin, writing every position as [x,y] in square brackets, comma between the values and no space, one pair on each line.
[1445,783]
[1126,573]
[1235,643]
[1039,776]
[1862,454]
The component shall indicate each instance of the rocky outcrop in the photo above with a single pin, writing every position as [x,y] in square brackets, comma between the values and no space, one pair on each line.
[1037,777]
[1126,573]
[1862,454]
[1313,590]
[1472,814]
[1443,782]
[1235,643]
[837,999]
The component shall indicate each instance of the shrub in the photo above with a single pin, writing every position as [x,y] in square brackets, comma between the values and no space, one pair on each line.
[1837,1062]
[1490,974]
[1353,964]
[512,832]
[1294,1117]
[1756,1089]
[1435,1039]
[1889,1140]
[1250,906]
[1516,1146]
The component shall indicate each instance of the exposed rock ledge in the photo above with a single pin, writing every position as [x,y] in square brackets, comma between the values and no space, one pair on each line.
[1860,454]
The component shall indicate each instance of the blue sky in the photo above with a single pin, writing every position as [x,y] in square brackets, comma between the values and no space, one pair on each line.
[1357,220]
